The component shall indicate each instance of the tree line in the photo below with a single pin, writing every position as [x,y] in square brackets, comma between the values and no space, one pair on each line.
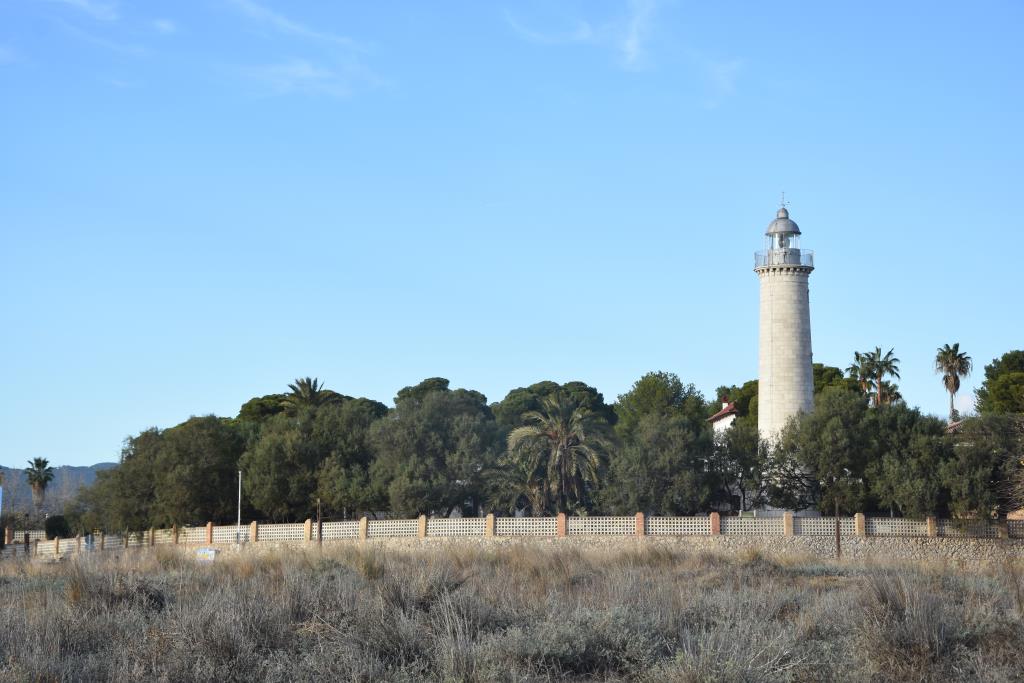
[551,447]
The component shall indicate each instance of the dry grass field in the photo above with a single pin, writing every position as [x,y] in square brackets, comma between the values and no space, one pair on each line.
[516,612]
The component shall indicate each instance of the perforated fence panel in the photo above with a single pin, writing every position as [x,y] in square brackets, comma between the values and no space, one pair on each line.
[600,526]
[230,534]
[456,526]
[895,526]
[1016,528]
[967,528]
[163,537]
[194,534]
[525,526]
[334,530]
[33,535]
[823,526]
[391,528]
[282,532]
[763,526]
[678,526]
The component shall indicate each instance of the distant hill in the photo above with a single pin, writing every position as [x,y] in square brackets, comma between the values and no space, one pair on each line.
[66,482]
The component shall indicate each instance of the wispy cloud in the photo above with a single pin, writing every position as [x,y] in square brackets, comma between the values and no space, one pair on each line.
[299,76]
[638,27]
[283,24]
[130,49]
[104,11]
[721,76]
[626,35]
[165,26]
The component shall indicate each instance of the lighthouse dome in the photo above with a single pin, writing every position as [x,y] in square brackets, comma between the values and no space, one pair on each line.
[782,224]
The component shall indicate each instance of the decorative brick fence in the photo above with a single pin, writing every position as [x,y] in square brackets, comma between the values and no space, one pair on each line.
[751,528]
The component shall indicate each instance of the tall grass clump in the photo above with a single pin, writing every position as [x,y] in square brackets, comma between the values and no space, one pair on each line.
[518,611]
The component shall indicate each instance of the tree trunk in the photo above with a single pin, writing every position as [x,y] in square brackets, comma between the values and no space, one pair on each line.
[951,407]
[878,394]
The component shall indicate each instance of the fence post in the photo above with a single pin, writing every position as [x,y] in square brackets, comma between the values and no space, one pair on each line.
[152,536]
[560,524]
[641,527]
[35,546]
[174,534]
[860,526]
[787,523]
[307,530]
[421,526]
[103,539]
[56,546]
[78,543]
[254,531]
[8,536]
[933,526]
[364,524]
[716,524]
[209,533]
[489,524]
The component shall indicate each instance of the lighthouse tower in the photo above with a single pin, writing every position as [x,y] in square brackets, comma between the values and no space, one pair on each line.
[785,380]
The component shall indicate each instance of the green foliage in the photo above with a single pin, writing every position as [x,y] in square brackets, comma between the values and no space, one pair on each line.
[662,467]
[822,455]
[39,474]
[562,447]
[744,397]
[830,376]
[261,408]
[740,460]
[510,410]
[907,451]
[656,393]
[985,453]
[952,364]
[434,450]
[307,392]
[343,482]
[56,527]
[1003,388]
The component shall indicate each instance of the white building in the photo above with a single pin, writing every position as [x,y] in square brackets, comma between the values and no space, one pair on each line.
[723,419]
[785,378]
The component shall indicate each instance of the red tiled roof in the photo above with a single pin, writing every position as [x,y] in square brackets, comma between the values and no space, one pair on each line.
[729,409]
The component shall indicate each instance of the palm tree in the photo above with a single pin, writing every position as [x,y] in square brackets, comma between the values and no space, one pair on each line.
[877,367]
[561,445]
[308,392]
[39,475]
[952,364]
[858,370]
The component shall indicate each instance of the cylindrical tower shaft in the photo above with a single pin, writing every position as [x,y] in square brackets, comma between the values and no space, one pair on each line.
[785,375]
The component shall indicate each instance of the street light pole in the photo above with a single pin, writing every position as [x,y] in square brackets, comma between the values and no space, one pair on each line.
[238,530]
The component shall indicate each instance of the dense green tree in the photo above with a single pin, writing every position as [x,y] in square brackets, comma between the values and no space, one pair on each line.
[1002,391]
[196,469]
[661,393]
[564,444]
[260,408]
[343,482]
[39,475]
[280,470]
[830,376]
[510,410]
[740,460]
[821,456]
[744,397]
[122,498]
[435,450]
[904,455]
[952,364]
[985,450]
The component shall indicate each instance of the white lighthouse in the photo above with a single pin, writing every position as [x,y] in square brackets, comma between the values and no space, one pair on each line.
[785,379]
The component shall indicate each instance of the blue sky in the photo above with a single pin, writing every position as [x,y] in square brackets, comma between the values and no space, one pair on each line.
[200,201]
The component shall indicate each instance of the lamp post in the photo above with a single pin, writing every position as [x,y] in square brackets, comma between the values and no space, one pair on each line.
[238,528]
